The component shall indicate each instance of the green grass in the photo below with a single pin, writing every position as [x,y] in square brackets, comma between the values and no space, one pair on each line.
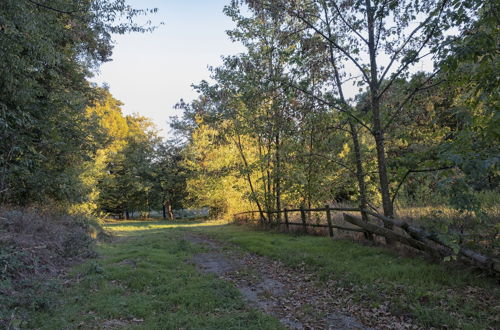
[163,291]
[144,282]
[433,294]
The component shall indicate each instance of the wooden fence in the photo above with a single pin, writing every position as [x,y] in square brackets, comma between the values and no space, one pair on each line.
[303,217]
[393,230]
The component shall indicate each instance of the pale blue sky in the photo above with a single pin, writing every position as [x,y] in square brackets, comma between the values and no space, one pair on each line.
[151,72]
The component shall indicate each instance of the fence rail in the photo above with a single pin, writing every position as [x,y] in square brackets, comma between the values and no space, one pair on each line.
[327,209]
[409,235]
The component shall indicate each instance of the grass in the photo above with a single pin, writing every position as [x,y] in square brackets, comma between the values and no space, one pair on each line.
[143,281]
[434,295]
[480,229]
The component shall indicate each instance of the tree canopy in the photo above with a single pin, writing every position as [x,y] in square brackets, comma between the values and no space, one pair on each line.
[328,104]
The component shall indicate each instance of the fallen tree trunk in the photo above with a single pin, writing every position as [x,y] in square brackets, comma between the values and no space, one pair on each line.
[389,234]
[421,235]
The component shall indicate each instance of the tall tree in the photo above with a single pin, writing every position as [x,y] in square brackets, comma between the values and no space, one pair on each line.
[48,49]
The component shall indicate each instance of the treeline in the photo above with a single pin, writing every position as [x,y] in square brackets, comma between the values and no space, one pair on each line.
[383,105]
[133,169]
[62,139]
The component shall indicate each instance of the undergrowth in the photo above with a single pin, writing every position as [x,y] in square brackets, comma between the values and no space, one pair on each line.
[36,247]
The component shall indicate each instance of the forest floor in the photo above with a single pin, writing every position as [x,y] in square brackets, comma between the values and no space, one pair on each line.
[206,275]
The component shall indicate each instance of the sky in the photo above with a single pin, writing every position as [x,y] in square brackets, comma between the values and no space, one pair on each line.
[151,72]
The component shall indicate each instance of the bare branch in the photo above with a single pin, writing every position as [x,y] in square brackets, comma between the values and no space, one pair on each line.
[41,5]
[416,171]
[415,56]
[410,37]
[411,95]
[347,23]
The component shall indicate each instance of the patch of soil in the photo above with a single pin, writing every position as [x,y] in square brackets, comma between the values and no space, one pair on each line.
[115,324]
[215,263]
[291,295]
[119,323]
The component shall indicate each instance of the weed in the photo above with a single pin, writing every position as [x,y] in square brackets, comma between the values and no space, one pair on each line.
[36,246]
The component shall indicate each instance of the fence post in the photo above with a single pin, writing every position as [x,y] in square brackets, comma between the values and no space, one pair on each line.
[329,219]
[303,217]
[286,220]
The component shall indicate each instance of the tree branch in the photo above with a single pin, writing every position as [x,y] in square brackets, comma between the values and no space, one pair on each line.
[331,105]
[41,5]
[416,171]
[347,23]
[414,57]
[322,34]
[411,95]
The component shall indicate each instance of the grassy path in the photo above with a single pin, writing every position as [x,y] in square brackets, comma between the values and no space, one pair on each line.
[144,280]
[292,295]
[377,280]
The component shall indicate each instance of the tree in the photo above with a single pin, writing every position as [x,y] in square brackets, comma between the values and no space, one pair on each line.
[375,43]
[170,176]
[47,52]
[129,171]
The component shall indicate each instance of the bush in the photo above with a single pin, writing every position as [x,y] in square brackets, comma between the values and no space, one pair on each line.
[36,246]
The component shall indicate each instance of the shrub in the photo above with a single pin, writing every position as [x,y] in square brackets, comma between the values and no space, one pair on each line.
[36,246]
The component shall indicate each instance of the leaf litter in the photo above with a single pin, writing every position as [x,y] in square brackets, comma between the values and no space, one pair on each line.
[293,295]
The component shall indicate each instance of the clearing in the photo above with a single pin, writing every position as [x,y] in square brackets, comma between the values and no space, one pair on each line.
[207,275]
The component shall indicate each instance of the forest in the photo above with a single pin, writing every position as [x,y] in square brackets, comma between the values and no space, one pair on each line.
[64,140]
[386,107]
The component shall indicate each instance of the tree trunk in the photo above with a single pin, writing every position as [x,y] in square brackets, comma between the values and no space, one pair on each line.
[421,235]
[377,126]
[249,179]
[278,178]
[310,170]
[383,178]
[390,235]
[170,212]
[360,174]
[269,197]
[127,215]
[164,212]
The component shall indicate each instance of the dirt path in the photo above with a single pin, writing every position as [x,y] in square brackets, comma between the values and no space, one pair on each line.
[288,294]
